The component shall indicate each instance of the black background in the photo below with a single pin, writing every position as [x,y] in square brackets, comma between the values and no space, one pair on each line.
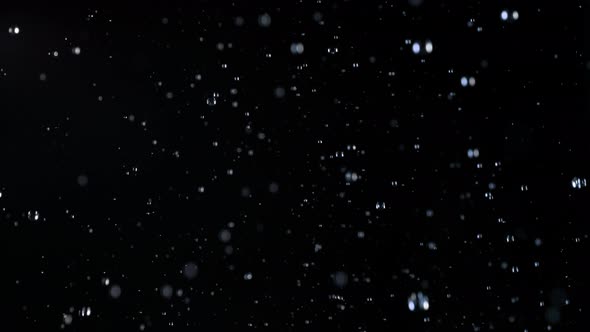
[142,217]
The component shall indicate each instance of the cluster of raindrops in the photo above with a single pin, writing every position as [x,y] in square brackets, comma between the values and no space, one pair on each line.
[418,301]
[14,30]
[507,15]
[578,183]
[297,48]
[33,215]
[212,100]
[421,47]
[467,81]
[472,153]
[350,176]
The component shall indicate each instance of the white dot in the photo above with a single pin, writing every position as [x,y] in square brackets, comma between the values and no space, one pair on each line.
[416,47]
[472,81]
[76,50]
[504,15]
[429,47]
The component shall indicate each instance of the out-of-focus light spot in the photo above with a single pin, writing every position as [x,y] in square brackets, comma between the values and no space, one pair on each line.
[578,183]
[416,48]
[429,47]
[464,81]
[297,48]
[515,15]
[504,15]
[264,20]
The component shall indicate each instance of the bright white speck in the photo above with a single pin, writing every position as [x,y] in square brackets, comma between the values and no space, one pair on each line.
[14,30]
[429,47]
[297,48]
[472,81]
[416,47]
[76,50]
[248,276]
[504,15]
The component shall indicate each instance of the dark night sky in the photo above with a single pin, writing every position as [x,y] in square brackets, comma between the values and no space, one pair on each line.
[295,166]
